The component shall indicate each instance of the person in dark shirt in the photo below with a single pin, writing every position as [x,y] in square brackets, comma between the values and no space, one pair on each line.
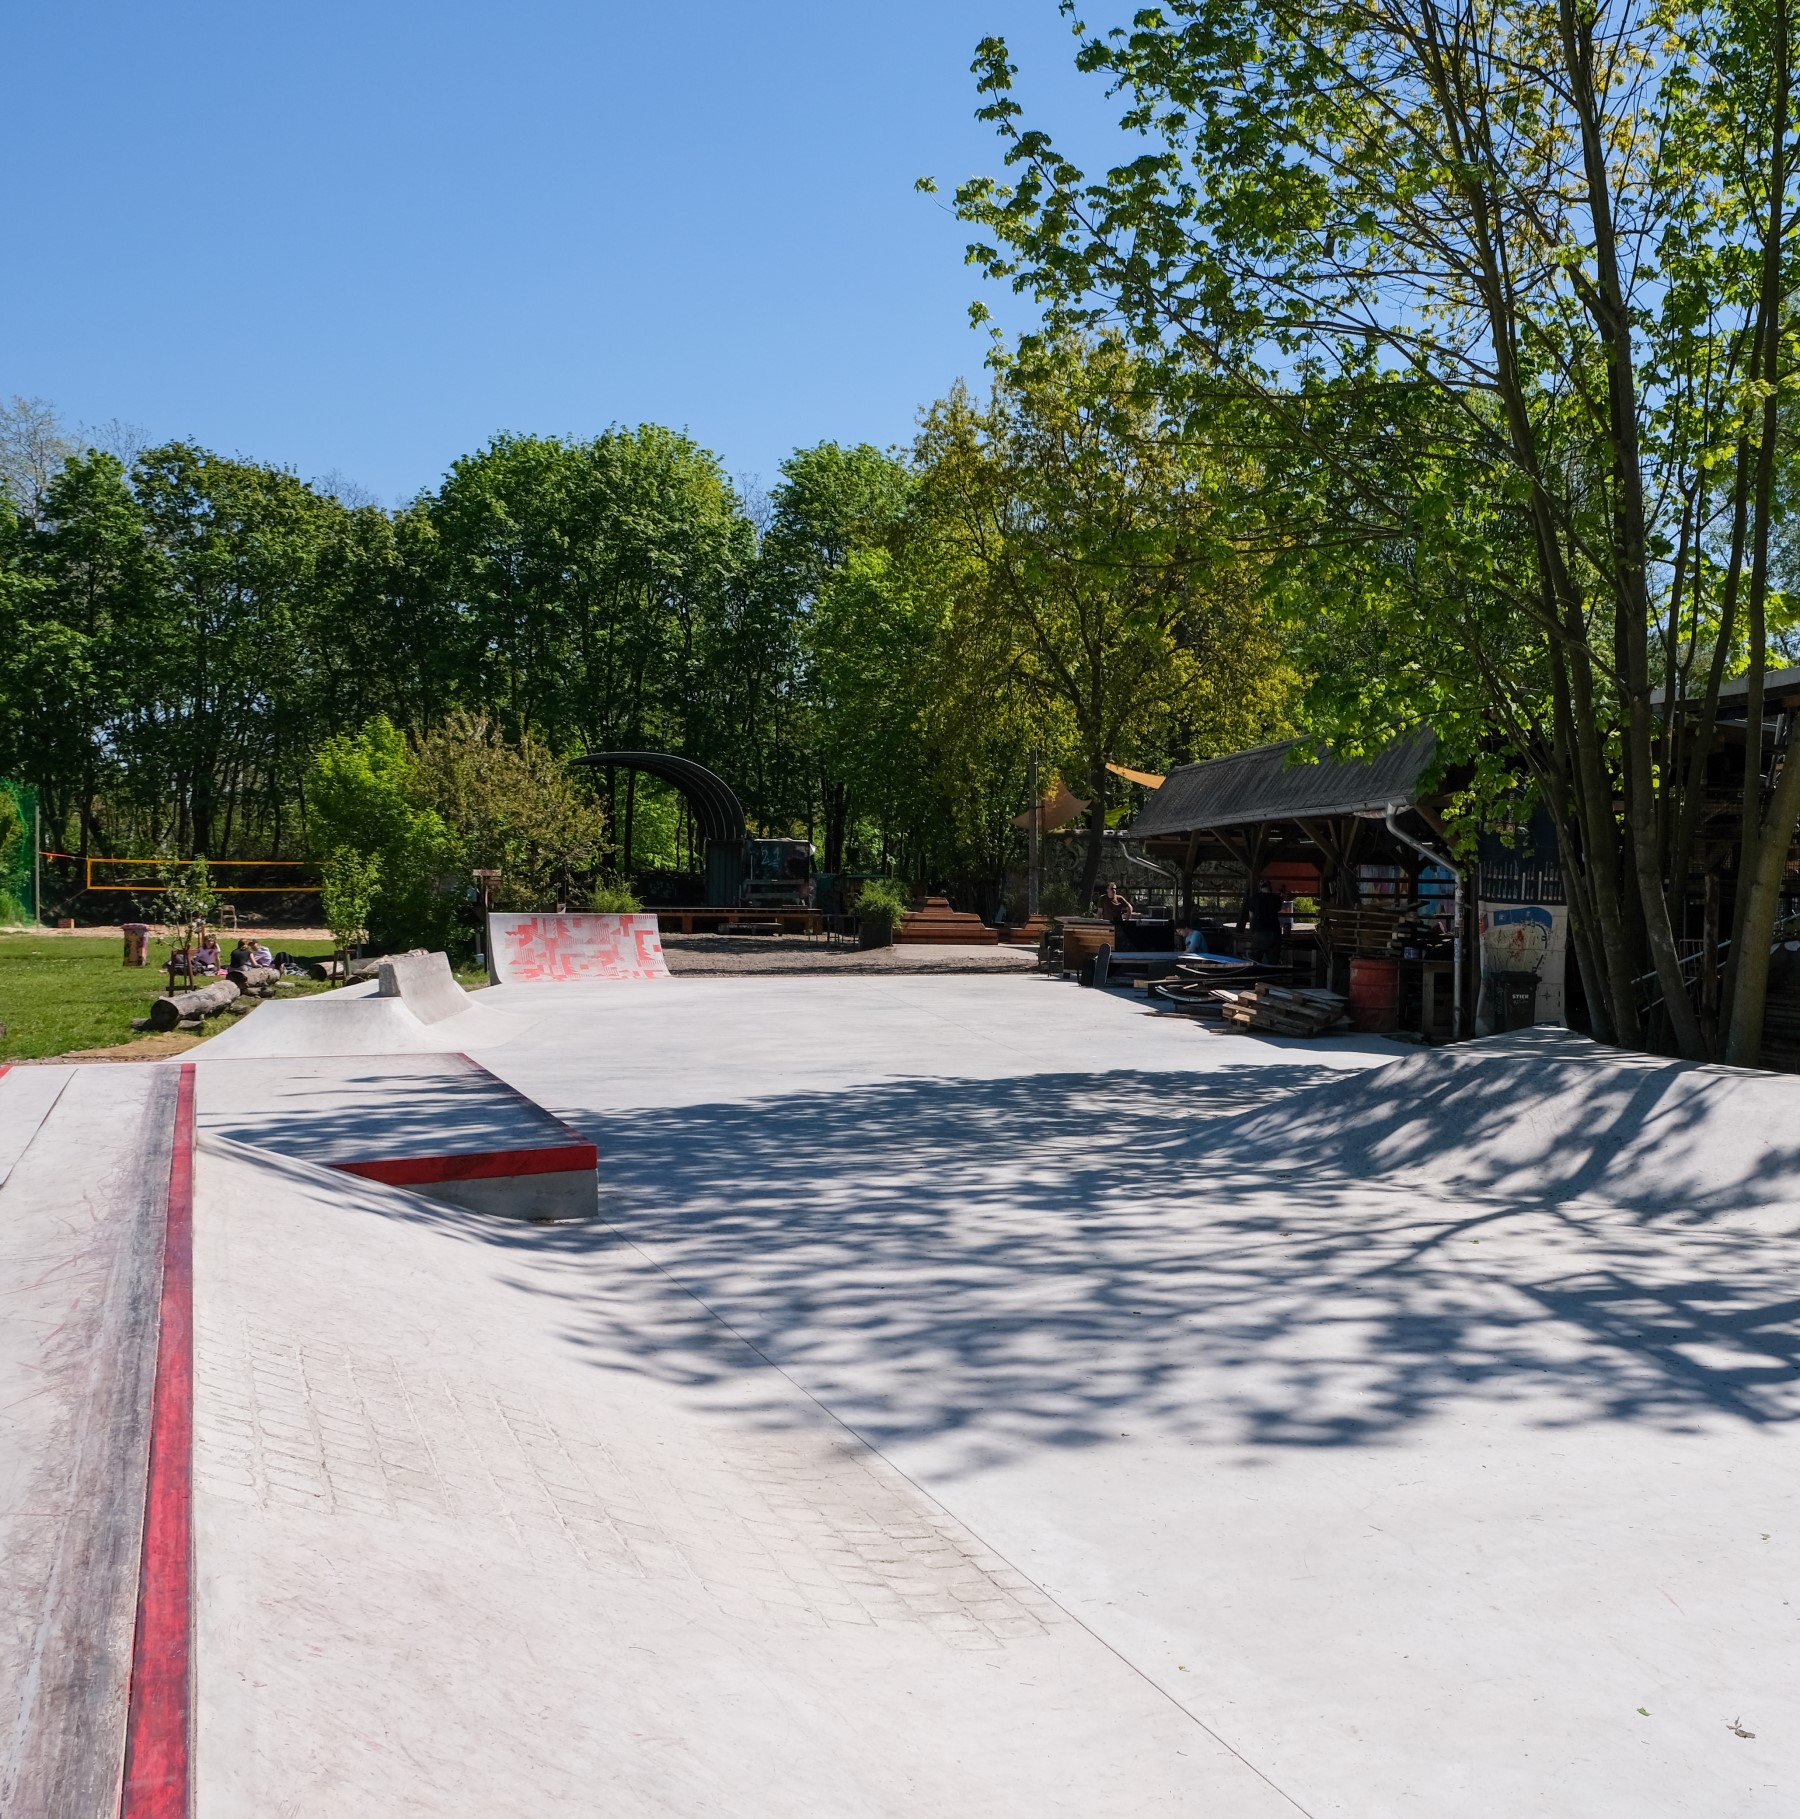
[1113,904]
[1265,924]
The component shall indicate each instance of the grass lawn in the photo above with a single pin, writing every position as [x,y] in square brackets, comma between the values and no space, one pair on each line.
[63,992]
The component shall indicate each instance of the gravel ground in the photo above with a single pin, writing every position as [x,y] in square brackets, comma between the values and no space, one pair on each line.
[736,954]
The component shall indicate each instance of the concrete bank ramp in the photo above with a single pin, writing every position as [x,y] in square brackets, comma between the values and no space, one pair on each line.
[574,950]
[438,1125]
[1549,1115]
[415,1007]
[82,1214]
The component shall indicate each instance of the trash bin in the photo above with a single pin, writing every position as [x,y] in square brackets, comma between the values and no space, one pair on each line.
[1374,995]
[1517,994]
[137,943]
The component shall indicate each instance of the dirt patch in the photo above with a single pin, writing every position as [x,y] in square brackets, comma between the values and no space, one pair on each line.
[146,1048]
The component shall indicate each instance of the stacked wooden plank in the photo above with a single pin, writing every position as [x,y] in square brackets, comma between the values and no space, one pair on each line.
[1279,1010]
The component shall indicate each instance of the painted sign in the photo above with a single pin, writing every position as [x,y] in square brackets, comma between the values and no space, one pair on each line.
[1522,940]
[542,950]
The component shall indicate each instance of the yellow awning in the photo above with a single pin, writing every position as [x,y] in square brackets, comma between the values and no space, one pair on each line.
[1059,809]
[1149,779]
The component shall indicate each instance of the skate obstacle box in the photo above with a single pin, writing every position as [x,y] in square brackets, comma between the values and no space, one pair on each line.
[574,950]
[440,1126]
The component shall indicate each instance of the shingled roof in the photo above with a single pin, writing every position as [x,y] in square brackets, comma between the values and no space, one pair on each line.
[1262,785]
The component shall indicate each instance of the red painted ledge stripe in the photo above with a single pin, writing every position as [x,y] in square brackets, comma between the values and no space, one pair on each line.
[480,1165]
[158,1723]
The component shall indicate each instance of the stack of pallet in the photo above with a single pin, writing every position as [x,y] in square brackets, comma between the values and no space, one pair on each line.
[1279,1010]
[1382,932]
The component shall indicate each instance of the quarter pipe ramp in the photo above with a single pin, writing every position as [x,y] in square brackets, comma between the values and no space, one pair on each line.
[573,950]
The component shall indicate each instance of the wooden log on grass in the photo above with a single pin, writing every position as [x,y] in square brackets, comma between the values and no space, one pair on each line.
[250,978]
[168,1013]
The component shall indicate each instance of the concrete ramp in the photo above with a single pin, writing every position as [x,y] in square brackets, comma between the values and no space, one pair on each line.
[438,1125]
[1546,1114]
[416,1008]
[82,1214]
[573,950]
[425,984]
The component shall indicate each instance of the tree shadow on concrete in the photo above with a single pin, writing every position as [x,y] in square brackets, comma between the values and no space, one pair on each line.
[1549,1117]
[1000,1265]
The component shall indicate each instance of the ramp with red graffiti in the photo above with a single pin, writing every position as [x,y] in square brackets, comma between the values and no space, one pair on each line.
[573,950]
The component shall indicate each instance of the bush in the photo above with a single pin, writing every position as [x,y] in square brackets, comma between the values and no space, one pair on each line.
[510,807]
[614,900]
[188,900]
[349,885]
[882,904]
[1059,899]
[361,799]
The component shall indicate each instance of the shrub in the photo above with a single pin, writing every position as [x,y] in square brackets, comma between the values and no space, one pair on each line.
[188,898]
[614,900]
[361,799]
[882,904]
[1059,899]
[349,883]
[508,806]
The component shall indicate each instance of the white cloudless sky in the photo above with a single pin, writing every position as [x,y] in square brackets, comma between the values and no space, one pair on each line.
[364,238]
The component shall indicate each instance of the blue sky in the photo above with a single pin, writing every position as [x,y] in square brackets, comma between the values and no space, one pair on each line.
[363,238]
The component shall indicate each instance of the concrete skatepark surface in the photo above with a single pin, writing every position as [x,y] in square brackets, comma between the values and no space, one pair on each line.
[985,1395]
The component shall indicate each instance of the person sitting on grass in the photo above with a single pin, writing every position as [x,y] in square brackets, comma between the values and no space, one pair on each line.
[206,955]
[260,955]
[242,955]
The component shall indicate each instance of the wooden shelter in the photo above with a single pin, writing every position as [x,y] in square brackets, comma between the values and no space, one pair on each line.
[1317,820]
[1317,827]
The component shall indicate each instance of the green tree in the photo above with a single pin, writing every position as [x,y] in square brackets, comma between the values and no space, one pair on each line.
[1098,576]
[833,504]
[349,885]
[511,807]
[598,583]
[1548,248]
[363,802]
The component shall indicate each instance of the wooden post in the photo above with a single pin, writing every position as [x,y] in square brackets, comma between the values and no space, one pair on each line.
[1034,878]
[1709,961]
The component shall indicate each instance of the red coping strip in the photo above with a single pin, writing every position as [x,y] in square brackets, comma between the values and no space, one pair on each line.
[480,1165]
[158,1723]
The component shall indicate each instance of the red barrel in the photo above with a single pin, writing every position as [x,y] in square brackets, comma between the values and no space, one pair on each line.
[1374,995]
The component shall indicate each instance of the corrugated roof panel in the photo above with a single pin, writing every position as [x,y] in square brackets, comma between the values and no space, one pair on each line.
[1261,785]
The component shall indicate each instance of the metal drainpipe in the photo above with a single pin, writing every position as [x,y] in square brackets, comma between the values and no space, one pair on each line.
[1390,816]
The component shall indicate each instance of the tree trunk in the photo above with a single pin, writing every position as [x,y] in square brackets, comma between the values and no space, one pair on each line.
[1096,837]
[166,1013]
[1759,898]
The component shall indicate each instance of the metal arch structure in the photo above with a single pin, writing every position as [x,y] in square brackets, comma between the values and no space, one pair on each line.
[718,815]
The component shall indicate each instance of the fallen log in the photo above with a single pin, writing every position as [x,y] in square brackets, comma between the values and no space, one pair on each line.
[323,969]
[168,1013]
[248,978]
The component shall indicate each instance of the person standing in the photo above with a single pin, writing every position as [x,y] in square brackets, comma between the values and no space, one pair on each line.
[1113,904]
[1265,924]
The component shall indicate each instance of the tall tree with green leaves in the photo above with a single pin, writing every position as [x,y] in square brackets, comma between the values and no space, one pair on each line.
[832,503]
[1102,579]
[1567,229]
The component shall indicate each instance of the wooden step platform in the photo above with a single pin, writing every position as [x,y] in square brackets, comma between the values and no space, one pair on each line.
[936,922]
